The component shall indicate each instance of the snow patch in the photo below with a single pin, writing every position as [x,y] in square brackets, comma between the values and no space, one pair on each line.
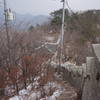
[15,98]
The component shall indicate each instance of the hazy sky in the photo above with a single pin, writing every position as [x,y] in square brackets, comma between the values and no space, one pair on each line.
[36,7]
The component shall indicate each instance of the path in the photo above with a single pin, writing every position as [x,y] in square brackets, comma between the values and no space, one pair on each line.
[69,93]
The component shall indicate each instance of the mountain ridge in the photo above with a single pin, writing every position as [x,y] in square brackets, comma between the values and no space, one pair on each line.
[26,18]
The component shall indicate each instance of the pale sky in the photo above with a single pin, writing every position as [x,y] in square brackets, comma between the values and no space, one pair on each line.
[44,7]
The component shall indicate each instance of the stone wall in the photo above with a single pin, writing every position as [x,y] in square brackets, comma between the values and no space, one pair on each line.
[74,74]
[86,77]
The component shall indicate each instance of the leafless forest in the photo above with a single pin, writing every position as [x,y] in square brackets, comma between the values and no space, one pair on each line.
[28,62]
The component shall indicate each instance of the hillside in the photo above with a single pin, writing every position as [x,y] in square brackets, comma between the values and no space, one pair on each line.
[30,66]
[81,30]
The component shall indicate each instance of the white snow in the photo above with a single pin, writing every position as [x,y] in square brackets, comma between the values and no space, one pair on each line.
[55,95]
[37,78]
[15,98]
[29,87]
[23,92]
[33,95]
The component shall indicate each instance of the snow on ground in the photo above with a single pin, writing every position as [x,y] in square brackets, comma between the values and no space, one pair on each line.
[36,94]
[52,90]
[50,85]
[55,95]
[15,98]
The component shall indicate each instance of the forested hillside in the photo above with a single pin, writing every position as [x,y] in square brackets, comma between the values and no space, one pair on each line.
[81,30]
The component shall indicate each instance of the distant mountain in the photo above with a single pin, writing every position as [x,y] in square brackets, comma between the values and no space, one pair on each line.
[26,19]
